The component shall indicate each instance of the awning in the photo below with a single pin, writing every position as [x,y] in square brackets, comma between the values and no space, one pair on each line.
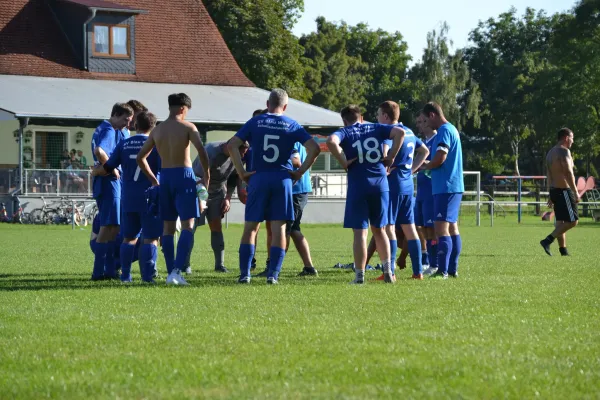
[91,99]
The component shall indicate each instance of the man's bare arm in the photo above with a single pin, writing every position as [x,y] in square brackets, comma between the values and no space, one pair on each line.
[420,155]
[296,163]
[101,155]
[333,144]
[566,162]
[397,136]
[202,154]
[142,161]
[234,153]
[312,152]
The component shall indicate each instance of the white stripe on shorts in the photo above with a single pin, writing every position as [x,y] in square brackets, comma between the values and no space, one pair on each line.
[568,201]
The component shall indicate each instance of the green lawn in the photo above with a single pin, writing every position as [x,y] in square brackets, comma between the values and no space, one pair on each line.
[516,324]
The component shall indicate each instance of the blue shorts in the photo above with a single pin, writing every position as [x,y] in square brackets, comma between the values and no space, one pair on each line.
[446,206]
[363,210]
[400,211]
[424,212]
[270,197]
[109,210]
[134,223]
[178,194]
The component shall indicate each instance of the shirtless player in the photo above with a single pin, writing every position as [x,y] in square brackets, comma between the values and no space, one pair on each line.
[177,181]
[563,191]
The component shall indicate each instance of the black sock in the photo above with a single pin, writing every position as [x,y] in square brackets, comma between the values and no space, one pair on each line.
[550,239]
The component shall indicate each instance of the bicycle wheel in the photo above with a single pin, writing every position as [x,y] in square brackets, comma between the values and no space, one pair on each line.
[50,217]
[36,216]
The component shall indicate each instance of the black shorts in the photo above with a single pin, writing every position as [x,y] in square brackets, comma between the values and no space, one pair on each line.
[565,206]
[300,201]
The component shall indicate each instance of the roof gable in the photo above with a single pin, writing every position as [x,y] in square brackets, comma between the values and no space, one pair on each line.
[176,42]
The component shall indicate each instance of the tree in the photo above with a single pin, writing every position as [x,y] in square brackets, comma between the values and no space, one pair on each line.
[258,35]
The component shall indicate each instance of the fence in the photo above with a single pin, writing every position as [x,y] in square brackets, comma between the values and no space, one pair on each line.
[58,182]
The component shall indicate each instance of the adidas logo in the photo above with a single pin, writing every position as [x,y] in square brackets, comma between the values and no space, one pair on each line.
[440,215]
[430,222]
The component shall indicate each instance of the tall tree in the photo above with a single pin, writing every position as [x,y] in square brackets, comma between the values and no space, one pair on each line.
[258,33]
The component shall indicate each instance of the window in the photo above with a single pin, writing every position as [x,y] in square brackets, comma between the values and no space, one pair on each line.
[111,41]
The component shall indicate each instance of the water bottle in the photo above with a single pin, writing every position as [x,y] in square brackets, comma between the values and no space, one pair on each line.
[201,191]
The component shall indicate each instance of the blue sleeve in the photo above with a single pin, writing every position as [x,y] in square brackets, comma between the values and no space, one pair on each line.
[301,135]
[245,131]
[115,158]
[444,139]
[296,149]
[388,142]
[419,142]
[340,134]
[106,138]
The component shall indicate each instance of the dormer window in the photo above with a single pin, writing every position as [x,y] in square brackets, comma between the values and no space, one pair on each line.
[110,41]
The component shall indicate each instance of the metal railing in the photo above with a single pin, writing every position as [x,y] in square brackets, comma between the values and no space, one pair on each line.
[57,182]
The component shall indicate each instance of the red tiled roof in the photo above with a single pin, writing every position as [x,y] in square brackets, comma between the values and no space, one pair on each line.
[100,4]
[176,42]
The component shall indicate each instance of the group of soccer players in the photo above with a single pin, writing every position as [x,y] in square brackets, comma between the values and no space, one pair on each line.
[144,183]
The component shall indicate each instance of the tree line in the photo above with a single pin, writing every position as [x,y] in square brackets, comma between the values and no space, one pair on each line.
[520,79]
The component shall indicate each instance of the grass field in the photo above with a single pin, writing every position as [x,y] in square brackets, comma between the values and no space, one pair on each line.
[516,324]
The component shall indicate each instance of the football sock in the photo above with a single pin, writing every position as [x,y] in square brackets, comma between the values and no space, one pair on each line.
[217,242]
[148,256]
[432,249]
[99,259]
[246,254]
[184,246]
[414,250]
[455,254]
[93,245]
[550,239]
[444,251]
[110,264]
[188,259]
[360,274]
[276,256]
[126,254]
[393,252]
[424,257]
[168,248]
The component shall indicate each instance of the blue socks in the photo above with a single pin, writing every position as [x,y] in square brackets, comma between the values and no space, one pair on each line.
[93,246]
[148,256]
[393,252]
[126,254]
[276,256]
[136,252]
[432,249]
[414,250]
[99,260]
[455,254]
[168,248]
[246,254]
[110,268]
[425,257]
[444,251]
[184,246]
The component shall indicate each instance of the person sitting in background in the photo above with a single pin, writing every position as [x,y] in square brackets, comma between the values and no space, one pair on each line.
[81,159]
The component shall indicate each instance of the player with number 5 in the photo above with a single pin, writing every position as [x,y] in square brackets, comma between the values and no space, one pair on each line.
[272,137]
[368,191]
[135,219]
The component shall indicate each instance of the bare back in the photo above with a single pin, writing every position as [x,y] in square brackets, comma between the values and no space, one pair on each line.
[172,139]
[560,167]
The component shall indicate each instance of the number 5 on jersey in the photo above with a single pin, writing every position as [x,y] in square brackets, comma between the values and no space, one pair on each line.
[270,146]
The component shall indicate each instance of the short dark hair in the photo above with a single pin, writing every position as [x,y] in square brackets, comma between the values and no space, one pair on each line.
[391,109]
[121,109]
[257,112]
[351,113]
[137,106]
[145,121]
[180,100]
[563,133]
[432,107]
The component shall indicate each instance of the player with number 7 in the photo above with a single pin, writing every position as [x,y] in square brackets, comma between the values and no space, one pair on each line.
[368,191]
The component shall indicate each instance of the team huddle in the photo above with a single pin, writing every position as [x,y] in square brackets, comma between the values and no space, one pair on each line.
[145,183]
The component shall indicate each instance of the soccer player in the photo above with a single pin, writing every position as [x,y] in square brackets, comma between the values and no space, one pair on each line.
[177,181]
[107,190]
[136,218]
[272,137]
[219,196]
[424,202]
[368,191]
[563,191]
[300,192]
[400,212]
[447,187]
[137,108]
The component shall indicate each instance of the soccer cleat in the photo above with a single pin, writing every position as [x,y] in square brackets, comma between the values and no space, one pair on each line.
[221,269]
[429,271]
[188,271]
[272,281]
[388,277]
[439,275]
[418,277]
[546,246]
[454,275]
[126,279]
[306,271]
[564,252]
[175,278]
[244,280]
[357,282]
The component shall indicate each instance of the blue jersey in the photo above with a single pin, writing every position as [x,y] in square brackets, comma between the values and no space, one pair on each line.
[106,137]
[400,179]
[365,142]
[135,182]
[424,181]
[303,185]
[448,178]
[272,138]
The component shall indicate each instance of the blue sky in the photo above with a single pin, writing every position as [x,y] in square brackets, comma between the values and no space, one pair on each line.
[414,19]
